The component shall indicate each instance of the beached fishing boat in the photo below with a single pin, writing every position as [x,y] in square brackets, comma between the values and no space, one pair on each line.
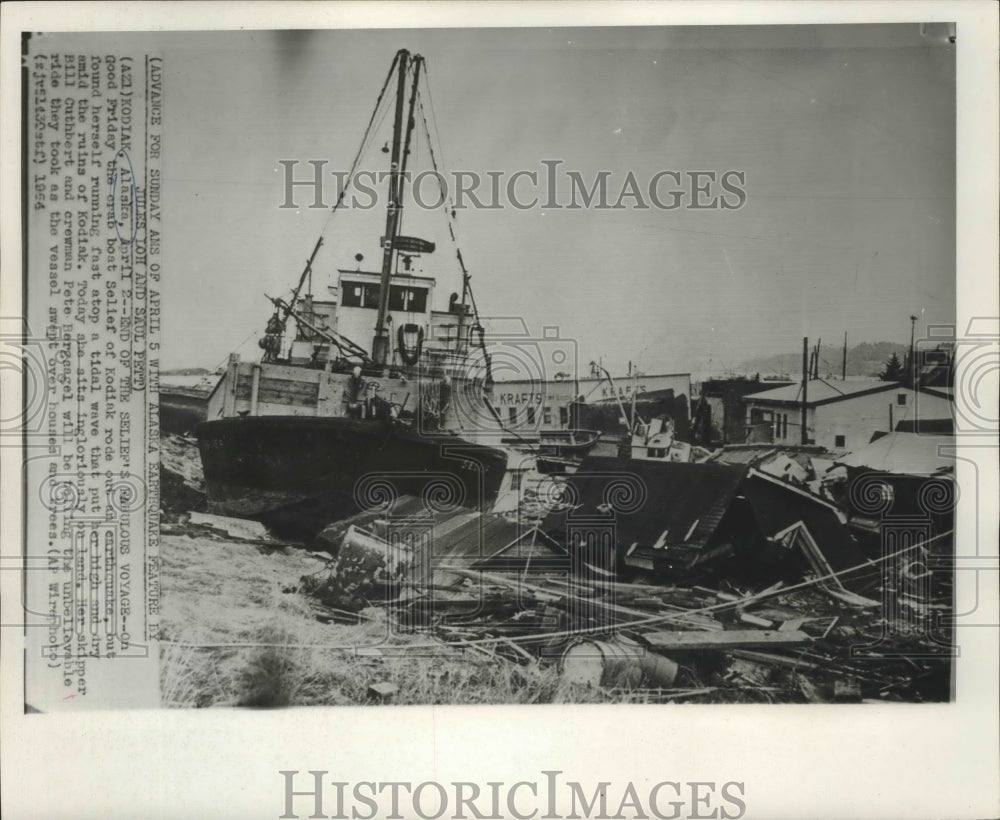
[324,424]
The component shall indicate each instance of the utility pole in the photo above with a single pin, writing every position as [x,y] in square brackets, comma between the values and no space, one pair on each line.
[843,369]
[913,362]
[805,385]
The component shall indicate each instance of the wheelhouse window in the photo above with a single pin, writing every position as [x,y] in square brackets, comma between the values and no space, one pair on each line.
[352,295]
[360,294]
[408,299]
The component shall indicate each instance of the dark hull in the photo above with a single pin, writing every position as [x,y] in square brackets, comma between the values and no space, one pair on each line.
[181,410]
[298,474]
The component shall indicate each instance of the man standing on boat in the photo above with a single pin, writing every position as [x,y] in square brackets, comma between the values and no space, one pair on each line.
[353,394]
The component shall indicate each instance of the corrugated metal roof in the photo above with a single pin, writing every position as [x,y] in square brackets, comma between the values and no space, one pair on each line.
[744,455]
[667,503]
[821,391]
[906,453]
[683,504]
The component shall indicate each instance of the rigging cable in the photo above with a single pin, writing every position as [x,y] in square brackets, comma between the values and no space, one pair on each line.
[365,142]
[477,328]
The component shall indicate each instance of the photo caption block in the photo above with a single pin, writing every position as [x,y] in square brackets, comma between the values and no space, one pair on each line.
[92,208]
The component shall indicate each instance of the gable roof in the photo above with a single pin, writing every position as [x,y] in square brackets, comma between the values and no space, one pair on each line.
[943,392]
[822,391]
[778,505]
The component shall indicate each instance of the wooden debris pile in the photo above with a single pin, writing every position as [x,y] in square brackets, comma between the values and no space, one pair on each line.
[648,642]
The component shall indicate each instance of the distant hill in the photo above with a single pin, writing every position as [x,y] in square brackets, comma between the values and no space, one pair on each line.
[865,359]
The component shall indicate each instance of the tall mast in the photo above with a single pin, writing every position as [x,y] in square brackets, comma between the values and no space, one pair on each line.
[417,62]
[462,308]
[805,388]
[380,344]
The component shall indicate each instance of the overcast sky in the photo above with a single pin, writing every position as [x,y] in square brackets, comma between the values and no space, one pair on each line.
[846,135]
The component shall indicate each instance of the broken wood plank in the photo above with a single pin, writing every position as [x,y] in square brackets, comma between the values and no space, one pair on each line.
[755,620]
[568,597]
[517,584]
[816,663]
[780,660]
[384,689]
[728,596]
[655,603]
[234,527]
[726,639]
[848,597]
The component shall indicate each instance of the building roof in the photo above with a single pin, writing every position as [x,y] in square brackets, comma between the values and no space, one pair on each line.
[822,391]
[375,276]
[906,453]
[718,388]
[680,503]
[778,505]
[759,452]
[941,427]
[680,507]
[945,392]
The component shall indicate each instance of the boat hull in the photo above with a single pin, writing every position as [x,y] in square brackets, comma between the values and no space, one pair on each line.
[297,474]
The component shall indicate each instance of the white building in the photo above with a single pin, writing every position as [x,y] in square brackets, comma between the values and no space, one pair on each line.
[535,406]
[840,415]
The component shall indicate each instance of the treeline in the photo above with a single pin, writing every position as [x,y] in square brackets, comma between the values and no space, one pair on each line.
[863,359]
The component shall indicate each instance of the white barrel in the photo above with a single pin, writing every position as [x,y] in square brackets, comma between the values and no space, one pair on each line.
[615,664]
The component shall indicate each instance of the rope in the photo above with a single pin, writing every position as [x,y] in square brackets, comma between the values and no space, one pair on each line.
[445,192]
[362,149]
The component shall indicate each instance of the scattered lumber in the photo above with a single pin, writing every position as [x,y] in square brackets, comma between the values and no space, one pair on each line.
[725,639]
[755,620]
[241,528]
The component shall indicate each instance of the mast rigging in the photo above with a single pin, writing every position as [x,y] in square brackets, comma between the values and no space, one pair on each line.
[380,344]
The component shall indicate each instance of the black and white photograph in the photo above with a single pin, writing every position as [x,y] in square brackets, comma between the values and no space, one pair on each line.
[625,365]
